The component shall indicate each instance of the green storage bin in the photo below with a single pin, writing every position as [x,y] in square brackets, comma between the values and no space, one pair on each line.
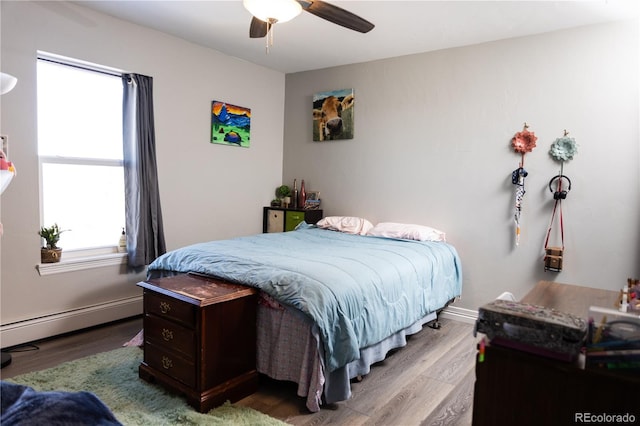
[292,219]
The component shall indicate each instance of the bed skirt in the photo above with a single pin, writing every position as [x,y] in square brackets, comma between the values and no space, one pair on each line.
[289,349]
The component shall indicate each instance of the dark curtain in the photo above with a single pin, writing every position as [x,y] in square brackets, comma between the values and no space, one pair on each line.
[145,234]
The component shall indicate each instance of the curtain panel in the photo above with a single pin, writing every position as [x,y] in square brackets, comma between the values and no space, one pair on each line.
[145,233]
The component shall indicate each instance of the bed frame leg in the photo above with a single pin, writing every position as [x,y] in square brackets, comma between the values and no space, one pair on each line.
[435,324]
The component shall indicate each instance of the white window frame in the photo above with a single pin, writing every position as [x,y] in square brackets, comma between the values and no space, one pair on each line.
[86,258]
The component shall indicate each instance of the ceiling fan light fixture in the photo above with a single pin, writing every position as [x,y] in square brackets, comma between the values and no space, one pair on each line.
[273,10]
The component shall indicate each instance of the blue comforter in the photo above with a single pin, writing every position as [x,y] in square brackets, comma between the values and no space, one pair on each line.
[358,289]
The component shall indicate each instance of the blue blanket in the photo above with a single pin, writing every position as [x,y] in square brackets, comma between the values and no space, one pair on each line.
[22,405]
[358,289]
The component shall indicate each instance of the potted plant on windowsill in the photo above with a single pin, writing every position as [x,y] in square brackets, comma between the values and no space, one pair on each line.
[51,253]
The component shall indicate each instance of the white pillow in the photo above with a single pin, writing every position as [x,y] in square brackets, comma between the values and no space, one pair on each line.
[407,232]
[346,224]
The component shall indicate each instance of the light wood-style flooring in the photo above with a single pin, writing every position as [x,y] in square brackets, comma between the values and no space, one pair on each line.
[428,382]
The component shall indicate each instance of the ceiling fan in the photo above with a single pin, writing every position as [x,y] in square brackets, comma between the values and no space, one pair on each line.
[266,13]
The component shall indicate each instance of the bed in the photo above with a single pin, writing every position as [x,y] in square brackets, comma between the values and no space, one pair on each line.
[332,303]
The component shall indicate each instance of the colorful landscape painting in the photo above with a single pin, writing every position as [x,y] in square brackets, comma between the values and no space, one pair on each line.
[230,124]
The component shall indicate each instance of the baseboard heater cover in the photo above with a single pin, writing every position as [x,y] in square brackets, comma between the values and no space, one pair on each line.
[52,325]
[47,326]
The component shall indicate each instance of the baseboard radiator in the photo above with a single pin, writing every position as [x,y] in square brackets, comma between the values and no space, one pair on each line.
[30,330]
[52,325]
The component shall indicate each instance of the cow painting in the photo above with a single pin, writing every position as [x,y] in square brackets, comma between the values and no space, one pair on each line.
[333,115]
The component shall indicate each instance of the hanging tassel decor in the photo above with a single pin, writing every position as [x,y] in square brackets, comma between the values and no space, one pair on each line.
[522,142]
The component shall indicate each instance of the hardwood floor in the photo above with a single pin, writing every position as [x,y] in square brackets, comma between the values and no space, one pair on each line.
[428,382]
[51,352]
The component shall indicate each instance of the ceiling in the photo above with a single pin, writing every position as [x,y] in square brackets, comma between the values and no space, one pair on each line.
[402,27]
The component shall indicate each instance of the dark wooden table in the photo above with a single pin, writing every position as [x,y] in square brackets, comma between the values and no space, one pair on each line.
[518,388]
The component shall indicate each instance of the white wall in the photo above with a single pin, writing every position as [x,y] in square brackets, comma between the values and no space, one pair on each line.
[207,191]
[432,146]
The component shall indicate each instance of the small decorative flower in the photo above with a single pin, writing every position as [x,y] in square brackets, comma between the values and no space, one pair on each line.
[563,149]
[524,141]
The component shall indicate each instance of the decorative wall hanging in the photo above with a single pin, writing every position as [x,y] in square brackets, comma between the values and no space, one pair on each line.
[333,115]
[562,149]
[522,142]
[230,124]
[7,169]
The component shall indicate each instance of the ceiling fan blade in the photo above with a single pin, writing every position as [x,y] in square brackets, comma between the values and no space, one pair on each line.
[336,15]
[258,28]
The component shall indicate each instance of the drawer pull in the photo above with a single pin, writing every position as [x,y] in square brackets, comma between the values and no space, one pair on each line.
[165,307]
[167,335]
[167,363]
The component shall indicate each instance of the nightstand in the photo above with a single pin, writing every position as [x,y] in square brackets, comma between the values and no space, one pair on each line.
[200,338]
[279,219]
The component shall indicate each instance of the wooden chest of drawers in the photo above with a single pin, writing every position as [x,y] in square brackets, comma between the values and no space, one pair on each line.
[200,338]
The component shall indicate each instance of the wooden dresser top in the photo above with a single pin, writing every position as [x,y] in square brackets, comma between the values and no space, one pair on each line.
[197,290]
[570,298]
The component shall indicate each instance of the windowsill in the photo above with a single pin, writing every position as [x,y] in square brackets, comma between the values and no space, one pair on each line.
[74,264]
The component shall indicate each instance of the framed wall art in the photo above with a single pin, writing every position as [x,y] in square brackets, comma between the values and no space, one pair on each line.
[230,124]
[313,200]
[333,115]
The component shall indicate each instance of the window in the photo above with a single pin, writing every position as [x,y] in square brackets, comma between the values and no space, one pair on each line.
[80,153]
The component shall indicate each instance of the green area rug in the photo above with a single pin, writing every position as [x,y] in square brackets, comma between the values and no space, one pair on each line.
[113,377]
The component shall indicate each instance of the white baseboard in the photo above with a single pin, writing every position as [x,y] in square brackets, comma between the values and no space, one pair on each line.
[40,328]
[51,325]
[460,314]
